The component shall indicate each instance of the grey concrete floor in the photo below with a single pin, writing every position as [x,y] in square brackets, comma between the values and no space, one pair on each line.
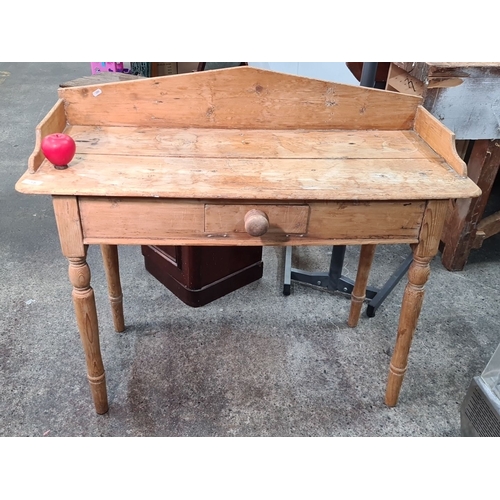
[253,363]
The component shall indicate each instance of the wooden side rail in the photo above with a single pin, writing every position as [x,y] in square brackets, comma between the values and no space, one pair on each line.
[53,123]
[439,138]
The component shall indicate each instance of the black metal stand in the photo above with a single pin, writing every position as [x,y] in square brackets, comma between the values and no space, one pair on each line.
[333,281]
[383,293]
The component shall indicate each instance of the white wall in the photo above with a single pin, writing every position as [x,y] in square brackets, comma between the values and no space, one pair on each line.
[332,71]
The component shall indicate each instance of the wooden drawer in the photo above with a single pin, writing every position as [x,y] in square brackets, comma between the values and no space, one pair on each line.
[177,222]
[284,219]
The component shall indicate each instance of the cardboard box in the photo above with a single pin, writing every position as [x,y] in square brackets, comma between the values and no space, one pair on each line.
[187,67]
[164,68]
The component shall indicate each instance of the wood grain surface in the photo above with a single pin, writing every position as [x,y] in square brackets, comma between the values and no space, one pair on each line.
[242,97]
[54,122]
[241,143]
[251,178]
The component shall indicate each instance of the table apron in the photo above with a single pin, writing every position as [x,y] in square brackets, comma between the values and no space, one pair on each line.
[210,222]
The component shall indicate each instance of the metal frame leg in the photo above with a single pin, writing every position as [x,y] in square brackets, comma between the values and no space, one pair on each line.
[288,271]
[383,293]
[333,280]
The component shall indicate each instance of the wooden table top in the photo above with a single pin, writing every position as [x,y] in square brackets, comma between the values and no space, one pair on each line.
[250,164]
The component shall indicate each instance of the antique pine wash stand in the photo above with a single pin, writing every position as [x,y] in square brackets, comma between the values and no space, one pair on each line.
[243,156]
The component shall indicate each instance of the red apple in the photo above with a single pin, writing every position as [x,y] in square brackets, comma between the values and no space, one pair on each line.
[59,149]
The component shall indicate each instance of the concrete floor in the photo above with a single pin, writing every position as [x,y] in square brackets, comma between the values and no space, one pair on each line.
[253,363]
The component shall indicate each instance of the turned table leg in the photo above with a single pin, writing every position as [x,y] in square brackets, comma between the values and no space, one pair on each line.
[418,275]
[86,318]
[358,294]
[71,237]
[412,303]
[111,266]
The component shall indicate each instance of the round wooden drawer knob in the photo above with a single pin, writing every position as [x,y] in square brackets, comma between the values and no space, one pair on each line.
[256,223]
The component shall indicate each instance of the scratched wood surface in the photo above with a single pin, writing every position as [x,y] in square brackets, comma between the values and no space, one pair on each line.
[253,164]
[242,97]
[251,178]
[241,143]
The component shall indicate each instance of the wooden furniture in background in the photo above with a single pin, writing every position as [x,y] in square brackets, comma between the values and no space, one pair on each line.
[181,160]
[198,275]
[465,97]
